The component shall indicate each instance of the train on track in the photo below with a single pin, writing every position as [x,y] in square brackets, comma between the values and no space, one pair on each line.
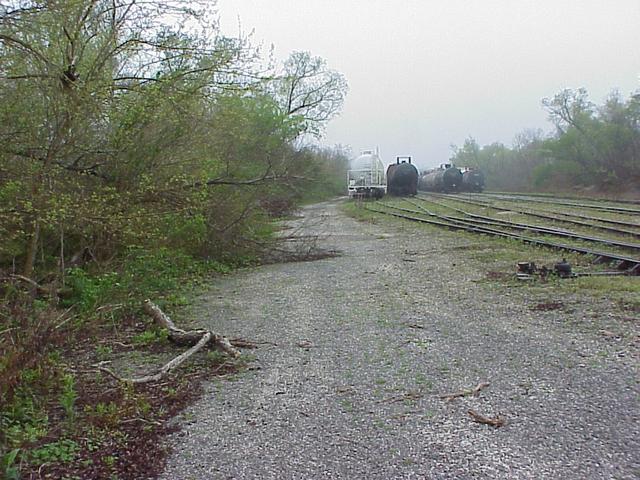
[367,179]
[402,178]
[472,180]
[447,178]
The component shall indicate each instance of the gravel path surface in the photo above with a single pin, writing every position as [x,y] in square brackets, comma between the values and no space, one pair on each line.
[366,343]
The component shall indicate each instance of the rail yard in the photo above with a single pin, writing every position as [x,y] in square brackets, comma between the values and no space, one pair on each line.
[607,232]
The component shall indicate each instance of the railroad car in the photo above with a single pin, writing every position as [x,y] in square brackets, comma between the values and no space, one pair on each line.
[366,177]
[446,178]
[402,177]
[472,180]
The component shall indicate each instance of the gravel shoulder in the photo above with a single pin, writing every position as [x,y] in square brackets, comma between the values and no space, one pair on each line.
[361,346]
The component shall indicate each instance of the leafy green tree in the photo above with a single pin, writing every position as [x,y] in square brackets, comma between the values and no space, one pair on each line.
[602,140]
[116,97]
[145,127]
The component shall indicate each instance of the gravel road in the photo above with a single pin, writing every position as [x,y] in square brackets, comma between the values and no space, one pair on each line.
[362,346]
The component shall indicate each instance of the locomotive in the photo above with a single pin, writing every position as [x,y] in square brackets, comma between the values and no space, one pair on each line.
[446,178]
[402,177]
[472,180]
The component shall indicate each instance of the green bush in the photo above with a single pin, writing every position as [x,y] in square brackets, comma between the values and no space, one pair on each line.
[8,467]
[23,420]
[61,451]
[143,273]
[558,174]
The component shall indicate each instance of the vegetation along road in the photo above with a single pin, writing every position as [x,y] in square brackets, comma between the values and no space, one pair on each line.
[383,361]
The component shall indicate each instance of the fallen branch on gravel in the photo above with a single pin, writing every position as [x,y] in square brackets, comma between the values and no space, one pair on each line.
[191,337]
[497,421]
[198,339]
[448,397]
[164,370]
[409,396]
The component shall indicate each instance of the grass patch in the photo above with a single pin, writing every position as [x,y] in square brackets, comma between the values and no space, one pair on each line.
[357,210]
[606,285]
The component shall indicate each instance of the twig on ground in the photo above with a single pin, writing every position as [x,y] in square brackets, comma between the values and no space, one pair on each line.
[22,278]
[448,397]
[143,420]
[496,421]
[183,337]
[244,343]
[110,307]
[66,320]
[415,395]
[415,325]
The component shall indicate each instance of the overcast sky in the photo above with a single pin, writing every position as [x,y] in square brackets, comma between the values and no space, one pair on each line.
[427,74]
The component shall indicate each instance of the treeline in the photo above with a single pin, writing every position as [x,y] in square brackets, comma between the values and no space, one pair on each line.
[128,123]
[593,146]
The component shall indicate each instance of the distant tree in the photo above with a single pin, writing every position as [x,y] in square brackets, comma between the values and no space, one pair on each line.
[310,92]
[528,137]
[468,154]
[569,108]
[602,140]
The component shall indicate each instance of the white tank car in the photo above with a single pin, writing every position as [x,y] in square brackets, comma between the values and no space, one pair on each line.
[366,178]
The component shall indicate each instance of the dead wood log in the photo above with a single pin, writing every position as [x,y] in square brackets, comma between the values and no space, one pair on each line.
[166,368]
[196,339]
[496,421]
[448,397]
[183,337]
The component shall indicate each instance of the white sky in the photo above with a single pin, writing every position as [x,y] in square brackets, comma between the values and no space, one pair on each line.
[427,74]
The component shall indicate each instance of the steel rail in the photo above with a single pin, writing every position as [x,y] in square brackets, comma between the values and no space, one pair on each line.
[574,215]
[604,208]
[546,216]
[631,264]
[562,197]
[533,228]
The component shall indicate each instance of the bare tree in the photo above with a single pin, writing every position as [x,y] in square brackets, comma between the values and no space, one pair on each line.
[310,91]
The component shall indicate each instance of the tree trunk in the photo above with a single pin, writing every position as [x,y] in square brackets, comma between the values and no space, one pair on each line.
[32,250]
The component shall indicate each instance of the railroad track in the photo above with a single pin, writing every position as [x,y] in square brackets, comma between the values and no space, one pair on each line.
[630,265]
[485,220]
[560,197]
[522,198]
[571,218]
